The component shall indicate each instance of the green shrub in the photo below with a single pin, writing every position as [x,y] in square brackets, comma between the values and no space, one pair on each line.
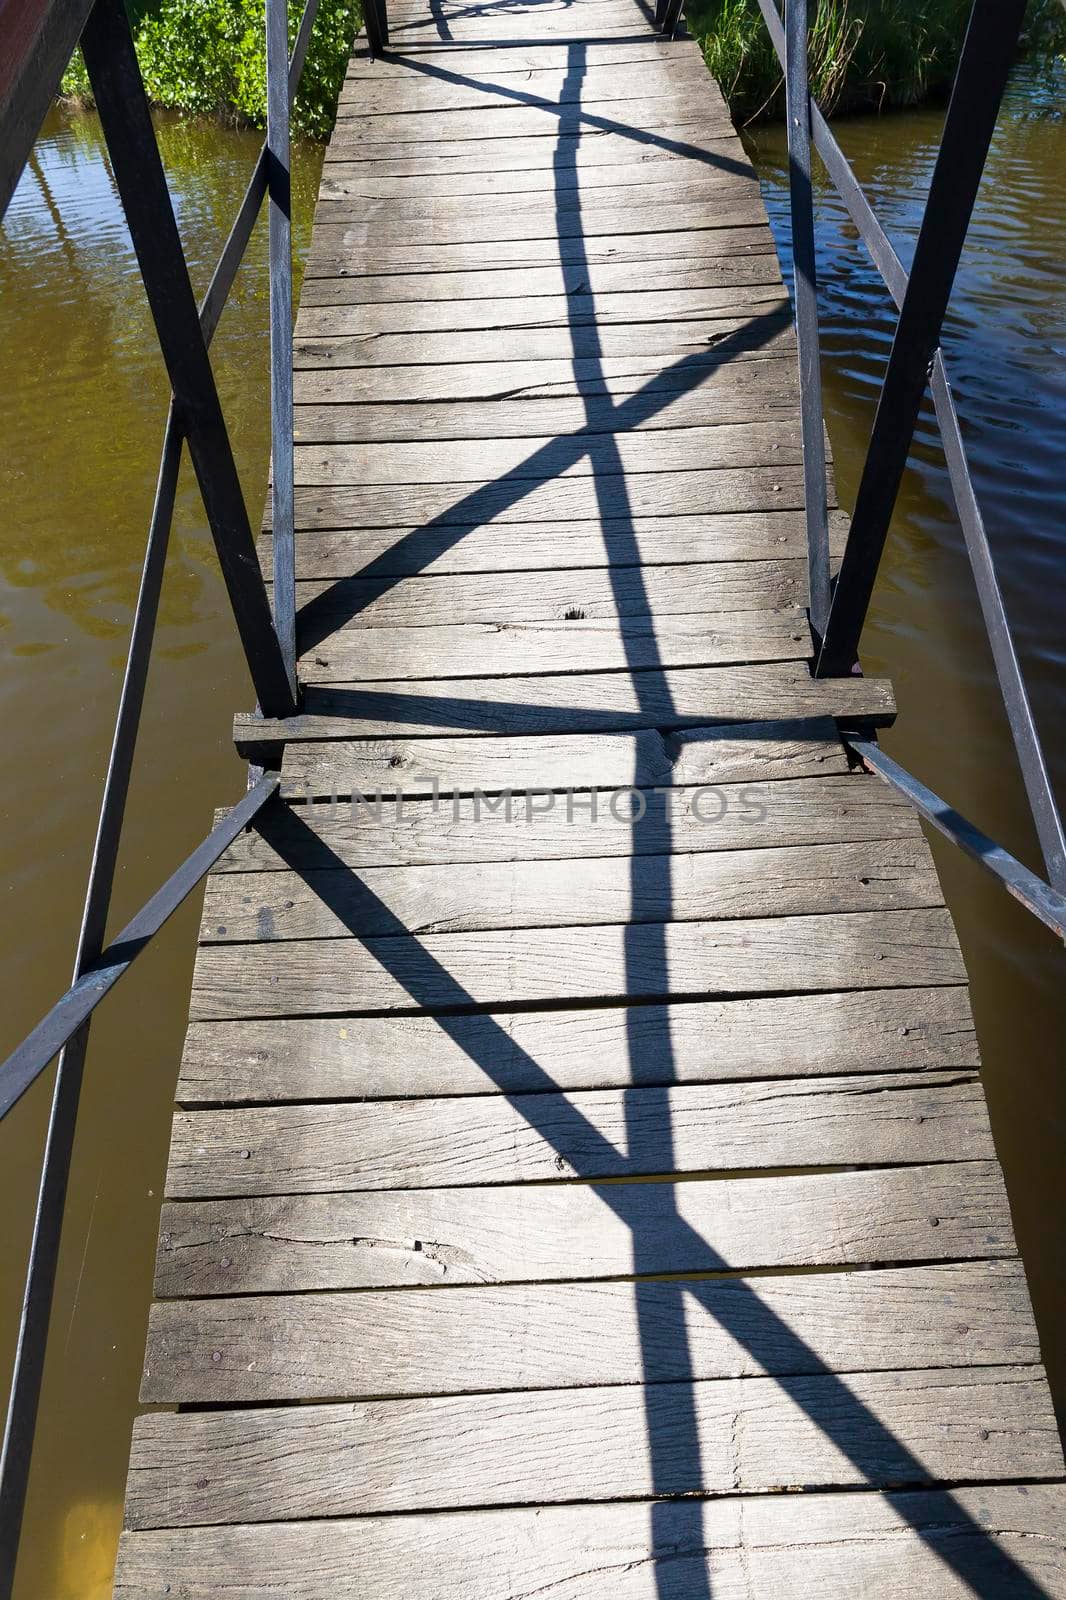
[864,54]
[208,57]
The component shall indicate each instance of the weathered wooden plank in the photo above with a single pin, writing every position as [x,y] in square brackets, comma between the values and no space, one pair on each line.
[473,649]
[395,67]
[595,146]
[697,193]
[742,270]
[704,410]
[747,444]
[595,1133]
[546,824]
[433,76]
[876,950]
[435,88]
[575,1335]
[754,1434]
[348,314]
[500,116]
[564,1232]
[686,244]
[885,1030]
[520,27]
[753,883]
[453,764]
[449,18]
[543,546]
[574,702]
[752,753]
[570,186]
[408,36]
[421,767]
[498,224]
[664,340]
[642,385]
[560,496]
[458,77]
[552,596]
[823,1547]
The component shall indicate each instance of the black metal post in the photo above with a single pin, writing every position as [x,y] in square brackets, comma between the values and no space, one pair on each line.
[667,15]
[281,418]
[801,200]
[376,18]
[107,46]
[987,54]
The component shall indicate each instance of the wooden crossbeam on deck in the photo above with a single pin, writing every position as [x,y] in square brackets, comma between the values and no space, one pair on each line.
[580,1138]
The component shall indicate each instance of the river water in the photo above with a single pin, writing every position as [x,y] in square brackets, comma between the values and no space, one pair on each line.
[81,417]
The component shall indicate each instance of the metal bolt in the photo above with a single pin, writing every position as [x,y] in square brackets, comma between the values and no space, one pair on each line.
[216,1355]
[245,1155]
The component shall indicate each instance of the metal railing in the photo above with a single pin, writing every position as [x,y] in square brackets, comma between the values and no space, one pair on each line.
[839,604]
[37,39]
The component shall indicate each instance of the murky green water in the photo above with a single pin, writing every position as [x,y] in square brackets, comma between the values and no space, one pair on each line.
[1005,339]
[81,417]
[81,420]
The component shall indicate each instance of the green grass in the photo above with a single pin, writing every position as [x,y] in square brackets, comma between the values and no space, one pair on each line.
[864,54]
[208,58]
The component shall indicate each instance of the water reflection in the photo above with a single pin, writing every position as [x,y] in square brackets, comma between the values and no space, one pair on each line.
[81,420]
[1005,338]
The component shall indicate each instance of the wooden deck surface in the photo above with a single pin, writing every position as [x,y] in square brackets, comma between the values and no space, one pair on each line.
[425,1330]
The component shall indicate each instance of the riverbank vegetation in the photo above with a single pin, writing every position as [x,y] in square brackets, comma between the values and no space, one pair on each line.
[208,58]
[865,55]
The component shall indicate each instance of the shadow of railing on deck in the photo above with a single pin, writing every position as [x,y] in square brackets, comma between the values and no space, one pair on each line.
[672,1427]
[576,117]
[322,615]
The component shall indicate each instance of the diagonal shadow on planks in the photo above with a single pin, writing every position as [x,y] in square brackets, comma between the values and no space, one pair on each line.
[671,1421]
[320,616]
[573,118]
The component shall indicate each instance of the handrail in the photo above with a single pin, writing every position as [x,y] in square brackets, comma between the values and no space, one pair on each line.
[916,361]
[38,37]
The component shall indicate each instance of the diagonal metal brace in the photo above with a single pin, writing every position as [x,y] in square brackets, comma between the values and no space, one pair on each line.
[107,46]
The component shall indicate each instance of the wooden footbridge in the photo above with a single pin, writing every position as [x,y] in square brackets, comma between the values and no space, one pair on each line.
[581,1181]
